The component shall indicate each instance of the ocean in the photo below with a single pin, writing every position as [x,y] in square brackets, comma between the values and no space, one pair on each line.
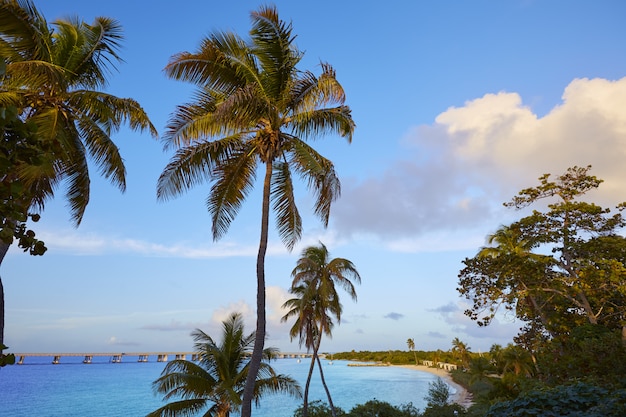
[103,389]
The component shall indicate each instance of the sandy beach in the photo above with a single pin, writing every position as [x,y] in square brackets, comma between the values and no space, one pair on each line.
[462,396]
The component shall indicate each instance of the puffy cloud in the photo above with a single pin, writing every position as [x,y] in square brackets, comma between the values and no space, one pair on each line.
[457,173]
[394,316]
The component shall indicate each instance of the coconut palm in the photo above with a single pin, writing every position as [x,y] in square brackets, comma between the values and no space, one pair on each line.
[411,345]
[315,279]
[55,76]
[252,111]
[216,383]
[517,360]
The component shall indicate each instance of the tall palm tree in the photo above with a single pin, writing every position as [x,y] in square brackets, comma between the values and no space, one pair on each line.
[315,279]
[253,110]
[216,383]
[411,345]
[55,76]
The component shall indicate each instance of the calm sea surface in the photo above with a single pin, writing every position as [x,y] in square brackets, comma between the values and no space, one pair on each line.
[102,389]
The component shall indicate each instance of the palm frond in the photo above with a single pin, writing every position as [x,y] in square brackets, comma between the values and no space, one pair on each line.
[111,111]
[235,177]
[275,49]
[31,77]
[182,408]
[314,123]
[211,67]
[103,151]
[320,175]
[24,30]
[193,165]
[77,176]
[288,220]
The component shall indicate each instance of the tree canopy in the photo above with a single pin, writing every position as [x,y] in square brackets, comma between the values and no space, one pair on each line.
[555,269]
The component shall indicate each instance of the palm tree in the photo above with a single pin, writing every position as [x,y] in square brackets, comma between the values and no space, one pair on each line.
[54,76]
[253,110]
[217,381]
[461,351]
[411,345]
[315,279]
[517,360]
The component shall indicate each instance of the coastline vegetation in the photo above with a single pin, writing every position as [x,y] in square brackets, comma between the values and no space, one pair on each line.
[562,273]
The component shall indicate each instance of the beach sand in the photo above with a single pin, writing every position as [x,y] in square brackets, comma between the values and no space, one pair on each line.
[462,396]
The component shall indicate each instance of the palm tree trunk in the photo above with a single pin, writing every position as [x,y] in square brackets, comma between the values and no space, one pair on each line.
[316,349]
[259,340]
[330,400]
[305,404]
[4,248]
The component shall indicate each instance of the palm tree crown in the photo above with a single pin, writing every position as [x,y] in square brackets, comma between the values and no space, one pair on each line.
[54,75]
[254,106]
[217,381]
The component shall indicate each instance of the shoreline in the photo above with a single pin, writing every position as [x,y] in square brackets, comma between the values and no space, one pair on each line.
[462,396]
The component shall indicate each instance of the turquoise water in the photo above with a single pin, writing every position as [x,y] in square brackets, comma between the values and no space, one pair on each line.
[102,389]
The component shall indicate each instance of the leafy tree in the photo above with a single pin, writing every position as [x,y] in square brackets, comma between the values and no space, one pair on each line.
[216,383]
[566,268]
[592,353]
[315,279]
[253,110]
[52,76]
[20,151]
[438,393]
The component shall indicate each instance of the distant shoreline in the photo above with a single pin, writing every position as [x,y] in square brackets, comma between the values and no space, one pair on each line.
[462,396]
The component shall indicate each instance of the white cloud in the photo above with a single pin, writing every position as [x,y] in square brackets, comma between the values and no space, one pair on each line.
[79,243]
[458,171]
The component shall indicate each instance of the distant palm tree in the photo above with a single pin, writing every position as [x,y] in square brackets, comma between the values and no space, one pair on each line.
[479,369]
[411,345]
[253,110]
[517,360]
[315,278]
[54,78]
[495,353]
[461,351]
[216,383]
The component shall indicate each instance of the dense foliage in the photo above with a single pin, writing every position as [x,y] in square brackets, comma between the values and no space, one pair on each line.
[21,151]
[437,399]
[577,400]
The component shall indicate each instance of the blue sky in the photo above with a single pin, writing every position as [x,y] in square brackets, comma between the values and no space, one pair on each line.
[458,106]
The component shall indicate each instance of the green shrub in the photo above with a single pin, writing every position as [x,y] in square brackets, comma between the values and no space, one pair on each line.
[319,409]
[578,400]
[375,408]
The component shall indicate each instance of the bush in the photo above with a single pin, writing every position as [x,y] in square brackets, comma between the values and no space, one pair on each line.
[375,408]
[319,409]
[578,400]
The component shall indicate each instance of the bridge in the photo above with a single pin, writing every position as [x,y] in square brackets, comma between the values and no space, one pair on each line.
[116,357]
